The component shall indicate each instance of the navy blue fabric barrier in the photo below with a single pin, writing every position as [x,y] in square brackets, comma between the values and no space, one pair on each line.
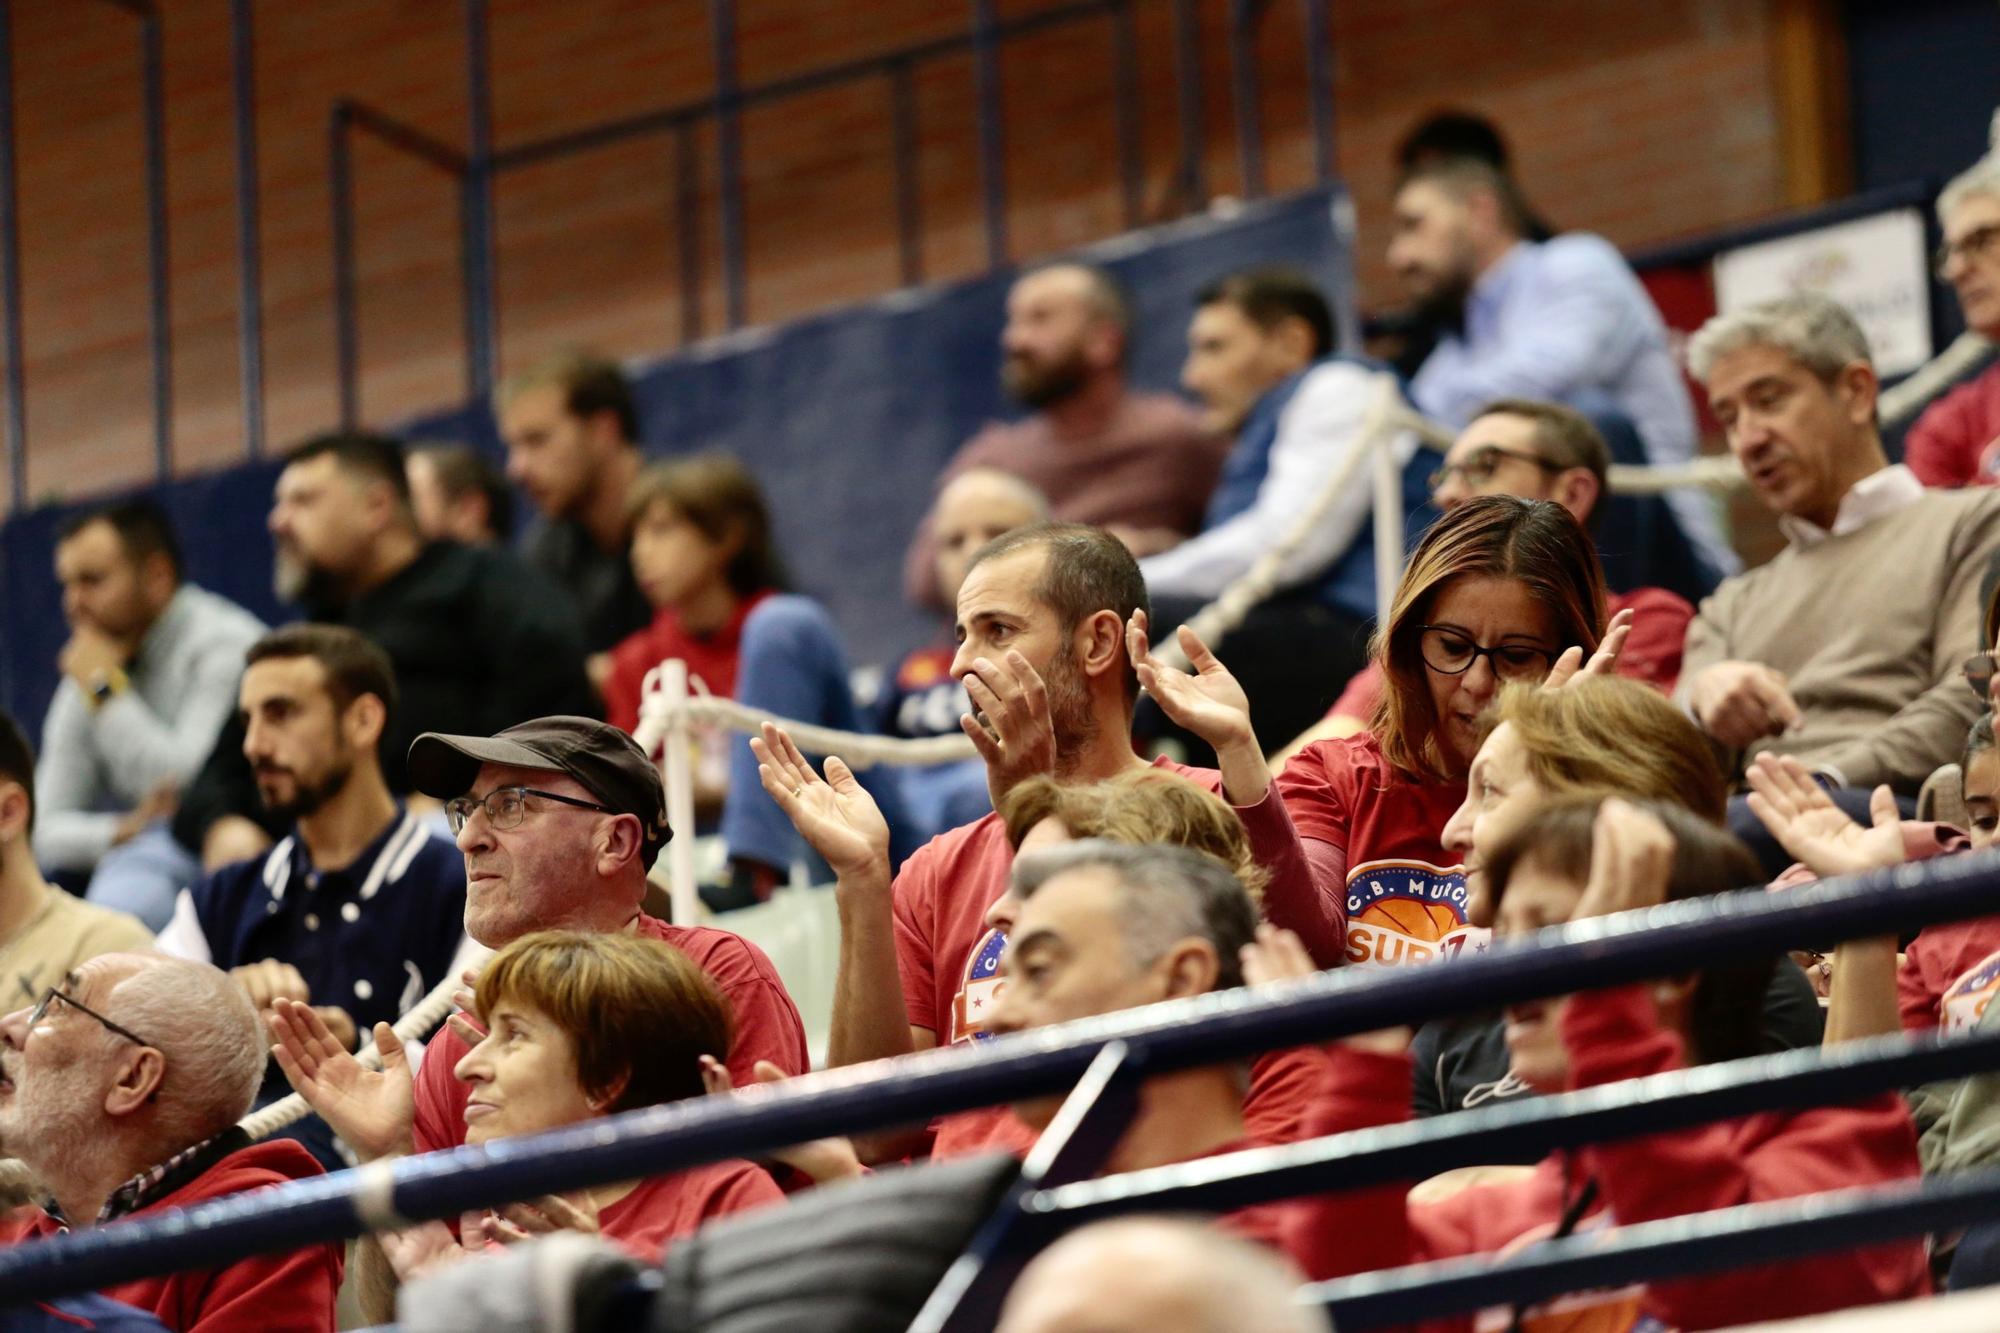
[846,419]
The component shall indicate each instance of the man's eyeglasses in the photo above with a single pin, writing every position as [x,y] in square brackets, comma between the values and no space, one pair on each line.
[1975,244]
[1452,654]
[506,807]
[51,995]
[1480,465]
[1980,668]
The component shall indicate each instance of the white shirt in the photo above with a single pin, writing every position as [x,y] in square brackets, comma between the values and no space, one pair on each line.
[1876,495]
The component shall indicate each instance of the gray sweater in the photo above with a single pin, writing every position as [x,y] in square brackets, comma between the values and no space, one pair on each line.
[97,763]
[1871,628]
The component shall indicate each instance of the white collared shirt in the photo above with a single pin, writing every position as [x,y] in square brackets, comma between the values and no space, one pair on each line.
[1876,495]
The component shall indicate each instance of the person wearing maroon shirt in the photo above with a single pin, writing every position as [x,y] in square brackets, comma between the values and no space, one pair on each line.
[120,1089]
[1569,861]
[1105,927]
[1040,630]
[559,820]
[1956,442]
[1499,589]
[582,1025]
[1537,451]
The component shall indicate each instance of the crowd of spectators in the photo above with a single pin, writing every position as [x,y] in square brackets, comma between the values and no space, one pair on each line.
[245,852]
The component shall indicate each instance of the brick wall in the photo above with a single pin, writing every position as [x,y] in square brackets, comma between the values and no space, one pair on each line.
[1642,122]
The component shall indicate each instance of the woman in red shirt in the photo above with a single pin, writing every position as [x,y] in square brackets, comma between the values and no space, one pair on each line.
[582,1025]
[1499,589]
[1570,860]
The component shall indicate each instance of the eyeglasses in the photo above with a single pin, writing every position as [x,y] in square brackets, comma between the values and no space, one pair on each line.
[1450,653]
[51,995]
[1482,463]
[1980,668]
[1975,244]
[506,807]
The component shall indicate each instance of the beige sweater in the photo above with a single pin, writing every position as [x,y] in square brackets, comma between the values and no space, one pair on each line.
[1871,628]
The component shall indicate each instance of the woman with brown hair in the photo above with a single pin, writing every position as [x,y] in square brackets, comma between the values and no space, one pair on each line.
[704,555]
[582,1025]
[1500,589]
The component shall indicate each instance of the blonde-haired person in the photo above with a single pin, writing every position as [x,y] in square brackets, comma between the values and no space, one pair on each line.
[581,1025]
[1500,589]
[704,551]
[1602,736]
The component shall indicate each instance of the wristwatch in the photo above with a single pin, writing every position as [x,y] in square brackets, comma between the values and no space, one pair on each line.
[104,685]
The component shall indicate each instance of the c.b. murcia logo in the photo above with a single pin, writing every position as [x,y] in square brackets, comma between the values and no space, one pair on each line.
[979,989]
[1408,912]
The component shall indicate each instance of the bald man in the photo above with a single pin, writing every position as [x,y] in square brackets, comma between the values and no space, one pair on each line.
[1158,1275]
[1140,464]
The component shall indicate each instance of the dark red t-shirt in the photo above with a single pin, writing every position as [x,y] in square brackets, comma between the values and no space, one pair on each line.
[667,1208]
[1956,442]
[1405,894]
[1949,974]
[711,659]
[767,1028]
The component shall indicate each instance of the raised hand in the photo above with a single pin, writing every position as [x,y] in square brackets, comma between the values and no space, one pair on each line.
[429,1247]
[516,1222]
[1207,701]
[1277,955]
[1010,727]
[1571,667]
[372,1109]
[823,1160]
[836,815]
[1806,822]
[1631,858]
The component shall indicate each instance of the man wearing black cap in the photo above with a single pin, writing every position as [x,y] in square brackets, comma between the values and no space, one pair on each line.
[559,819]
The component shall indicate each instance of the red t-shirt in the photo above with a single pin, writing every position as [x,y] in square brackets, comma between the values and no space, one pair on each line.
[1949,973]
[950,961]
[288,1292]
[1611,1036]
[1956,442]
[1652,651]
[767,1028]
[667,1208]
[711,658]
[1405,895]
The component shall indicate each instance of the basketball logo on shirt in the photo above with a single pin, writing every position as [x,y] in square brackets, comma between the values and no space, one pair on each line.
[1407,912]
[1965,1000]
[1605,1310]
[979,989]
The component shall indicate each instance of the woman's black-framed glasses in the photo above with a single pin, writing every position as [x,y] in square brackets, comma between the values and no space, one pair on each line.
[506,807]
[51,995]
[1980,668]
[1451,653]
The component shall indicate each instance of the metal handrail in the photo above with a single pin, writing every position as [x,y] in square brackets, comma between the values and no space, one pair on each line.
[1182,1034]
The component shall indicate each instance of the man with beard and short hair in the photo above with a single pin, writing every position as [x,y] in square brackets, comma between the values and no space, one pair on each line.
[120,1089]
[359,911]
[479,640]
[1563,319]
[1042,651]
[1140,464]
[149,678]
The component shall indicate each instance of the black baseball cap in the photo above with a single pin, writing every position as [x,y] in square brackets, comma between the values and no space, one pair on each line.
[608,763]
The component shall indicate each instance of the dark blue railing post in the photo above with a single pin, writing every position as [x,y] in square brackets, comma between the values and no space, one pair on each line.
[1245,94]
[992,134]
[729,158]
[1125,67]
[1319,86]
[249,232]
[477,261]
[1187,71]
[10,274]
[909,186]
[346,317]
[687,227]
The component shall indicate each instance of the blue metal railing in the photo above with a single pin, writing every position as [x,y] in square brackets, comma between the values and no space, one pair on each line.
[1179,1035]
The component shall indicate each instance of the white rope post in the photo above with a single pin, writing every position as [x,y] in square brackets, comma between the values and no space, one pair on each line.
[678,763]
[1388,499]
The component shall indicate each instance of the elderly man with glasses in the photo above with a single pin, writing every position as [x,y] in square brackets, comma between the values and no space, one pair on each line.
[120,1089]
[559,819]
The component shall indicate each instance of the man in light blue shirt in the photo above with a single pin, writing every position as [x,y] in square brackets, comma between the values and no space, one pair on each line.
[1563,319]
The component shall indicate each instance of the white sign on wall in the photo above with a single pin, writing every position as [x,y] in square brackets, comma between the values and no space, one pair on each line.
[1875,266]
